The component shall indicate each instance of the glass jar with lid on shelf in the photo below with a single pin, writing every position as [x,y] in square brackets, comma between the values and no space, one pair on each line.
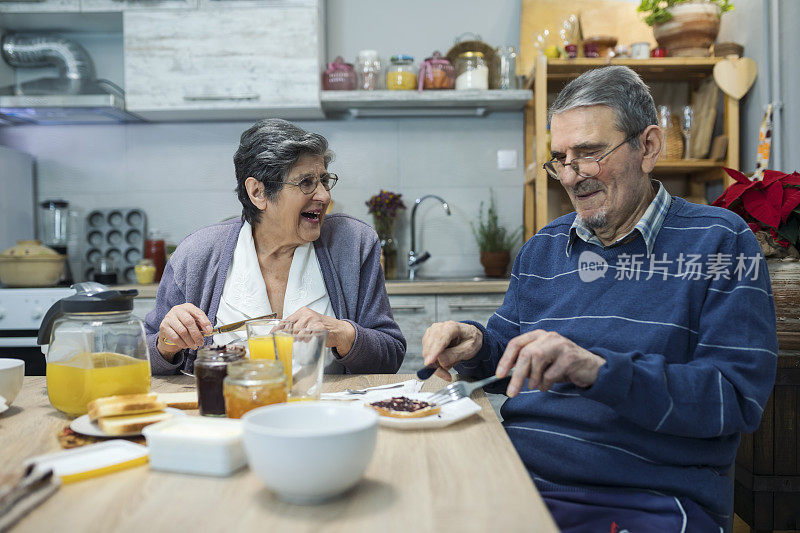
[436,72]
[369,70]
[401,74]
[471,72]
[339,76]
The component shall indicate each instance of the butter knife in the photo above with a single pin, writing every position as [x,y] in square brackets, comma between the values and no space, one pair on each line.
[229,328]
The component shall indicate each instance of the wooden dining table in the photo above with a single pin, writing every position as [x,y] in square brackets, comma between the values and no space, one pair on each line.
[462,477]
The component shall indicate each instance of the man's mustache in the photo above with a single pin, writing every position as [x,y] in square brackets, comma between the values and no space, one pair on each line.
[586,187]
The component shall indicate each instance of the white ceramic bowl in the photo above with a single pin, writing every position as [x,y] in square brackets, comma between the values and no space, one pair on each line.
[11,373]
[308,452]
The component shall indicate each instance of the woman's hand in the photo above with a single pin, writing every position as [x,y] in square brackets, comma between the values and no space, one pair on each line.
[341,334]
[183,327]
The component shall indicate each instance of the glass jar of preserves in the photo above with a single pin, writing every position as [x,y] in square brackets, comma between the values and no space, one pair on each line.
[253,383]
[436,72]
[210,369]
[339,76]
[369,70]
[471,72]
[401,74]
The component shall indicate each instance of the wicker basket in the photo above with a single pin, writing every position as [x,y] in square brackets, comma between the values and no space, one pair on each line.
[476,45]
[673,143]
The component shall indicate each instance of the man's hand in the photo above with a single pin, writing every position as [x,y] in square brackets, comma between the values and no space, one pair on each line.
[546,358]
[341,334]
[447,343]
[182,326]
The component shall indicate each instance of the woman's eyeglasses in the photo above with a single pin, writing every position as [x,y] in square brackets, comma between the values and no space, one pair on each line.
[586,167]
[309,184]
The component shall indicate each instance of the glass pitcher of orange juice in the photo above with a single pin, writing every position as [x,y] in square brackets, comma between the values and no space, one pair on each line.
[96,348]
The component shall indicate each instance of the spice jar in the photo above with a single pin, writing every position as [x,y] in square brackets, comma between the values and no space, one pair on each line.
[369,70]
[436,72]
[210,369]
[401,74]
[471,72]
[339,76]
[253,383]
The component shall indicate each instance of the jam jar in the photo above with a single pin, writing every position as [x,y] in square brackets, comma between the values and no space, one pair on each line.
[210,369]
[401,74]
[253,383]
[339,76]
[436,72]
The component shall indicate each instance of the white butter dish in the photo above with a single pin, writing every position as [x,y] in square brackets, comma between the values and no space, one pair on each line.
[196,445]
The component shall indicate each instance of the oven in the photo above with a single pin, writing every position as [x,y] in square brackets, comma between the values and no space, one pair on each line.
[21,313]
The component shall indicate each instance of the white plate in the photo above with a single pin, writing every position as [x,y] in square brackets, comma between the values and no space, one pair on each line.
[84,426]
[451,412]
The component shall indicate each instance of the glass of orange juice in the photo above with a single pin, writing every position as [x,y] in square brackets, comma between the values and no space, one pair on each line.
[308,358]
[271,338]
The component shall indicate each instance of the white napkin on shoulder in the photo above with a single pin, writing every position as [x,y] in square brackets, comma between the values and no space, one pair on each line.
[374,394]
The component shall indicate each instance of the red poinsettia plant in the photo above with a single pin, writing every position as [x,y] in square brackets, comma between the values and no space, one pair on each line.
[770,205]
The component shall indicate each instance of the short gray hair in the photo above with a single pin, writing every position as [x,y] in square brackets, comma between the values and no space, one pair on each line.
[267,151]
[617,87]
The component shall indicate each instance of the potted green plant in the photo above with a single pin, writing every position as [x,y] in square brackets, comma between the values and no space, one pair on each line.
[685,27]
[494,241]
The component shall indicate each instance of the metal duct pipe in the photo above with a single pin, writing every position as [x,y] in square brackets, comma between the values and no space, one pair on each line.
[43,50]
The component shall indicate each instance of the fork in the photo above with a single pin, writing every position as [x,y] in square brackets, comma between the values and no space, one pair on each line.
[459,389]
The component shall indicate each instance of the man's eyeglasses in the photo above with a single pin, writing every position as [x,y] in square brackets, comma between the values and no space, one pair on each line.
[586,167]
[309,184]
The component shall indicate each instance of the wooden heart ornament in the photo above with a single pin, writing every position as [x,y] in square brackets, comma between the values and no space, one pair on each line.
[735,76]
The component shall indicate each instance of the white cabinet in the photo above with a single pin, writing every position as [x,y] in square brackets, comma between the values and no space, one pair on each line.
[224,63]
[142,306]
[124,5]
[413,313]
[41,6]
[459,307]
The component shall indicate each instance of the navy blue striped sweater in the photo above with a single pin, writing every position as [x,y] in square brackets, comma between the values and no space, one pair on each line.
[688,334]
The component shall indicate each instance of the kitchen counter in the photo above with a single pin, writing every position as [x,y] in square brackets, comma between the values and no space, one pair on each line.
[423,286]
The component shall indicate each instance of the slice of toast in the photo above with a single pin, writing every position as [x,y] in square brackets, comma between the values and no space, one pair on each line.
[179,400]
[121,425]
[402,407]
[127,404]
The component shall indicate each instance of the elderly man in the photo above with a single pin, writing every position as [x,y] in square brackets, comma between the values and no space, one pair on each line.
[643,325]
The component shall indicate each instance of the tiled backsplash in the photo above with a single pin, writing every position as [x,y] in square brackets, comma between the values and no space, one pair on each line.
[182,174]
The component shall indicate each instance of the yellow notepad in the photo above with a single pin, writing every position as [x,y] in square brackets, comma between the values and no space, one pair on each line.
[92,460]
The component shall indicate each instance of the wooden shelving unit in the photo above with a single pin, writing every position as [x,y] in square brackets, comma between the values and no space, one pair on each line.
[550,76]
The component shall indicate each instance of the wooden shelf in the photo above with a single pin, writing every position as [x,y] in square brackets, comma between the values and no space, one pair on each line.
[423,104]
[655,69]
[686,166]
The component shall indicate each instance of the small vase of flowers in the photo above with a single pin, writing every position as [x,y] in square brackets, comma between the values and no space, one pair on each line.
[385,208]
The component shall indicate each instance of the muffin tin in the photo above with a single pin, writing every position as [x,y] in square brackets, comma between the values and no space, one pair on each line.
[118,234]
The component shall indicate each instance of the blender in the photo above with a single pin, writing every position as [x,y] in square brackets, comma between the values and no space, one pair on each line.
[57,226]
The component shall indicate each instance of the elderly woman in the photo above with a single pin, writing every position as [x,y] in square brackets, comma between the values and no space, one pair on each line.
[284,256]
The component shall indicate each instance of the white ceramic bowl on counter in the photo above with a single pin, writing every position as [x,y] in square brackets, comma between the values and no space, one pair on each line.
[309,452]
[12,371]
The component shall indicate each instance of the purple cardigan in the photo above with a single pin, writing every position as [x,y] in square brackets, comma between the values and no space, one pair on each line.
[348,253]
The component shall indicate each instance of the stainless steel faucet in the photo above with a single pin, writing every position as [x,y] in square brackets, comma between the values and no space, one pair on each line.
[415,261]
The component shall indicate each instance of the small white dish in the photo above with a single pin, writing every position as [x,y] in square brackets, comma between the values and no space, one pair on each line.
[451,413]
[84,426]
[12,372]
